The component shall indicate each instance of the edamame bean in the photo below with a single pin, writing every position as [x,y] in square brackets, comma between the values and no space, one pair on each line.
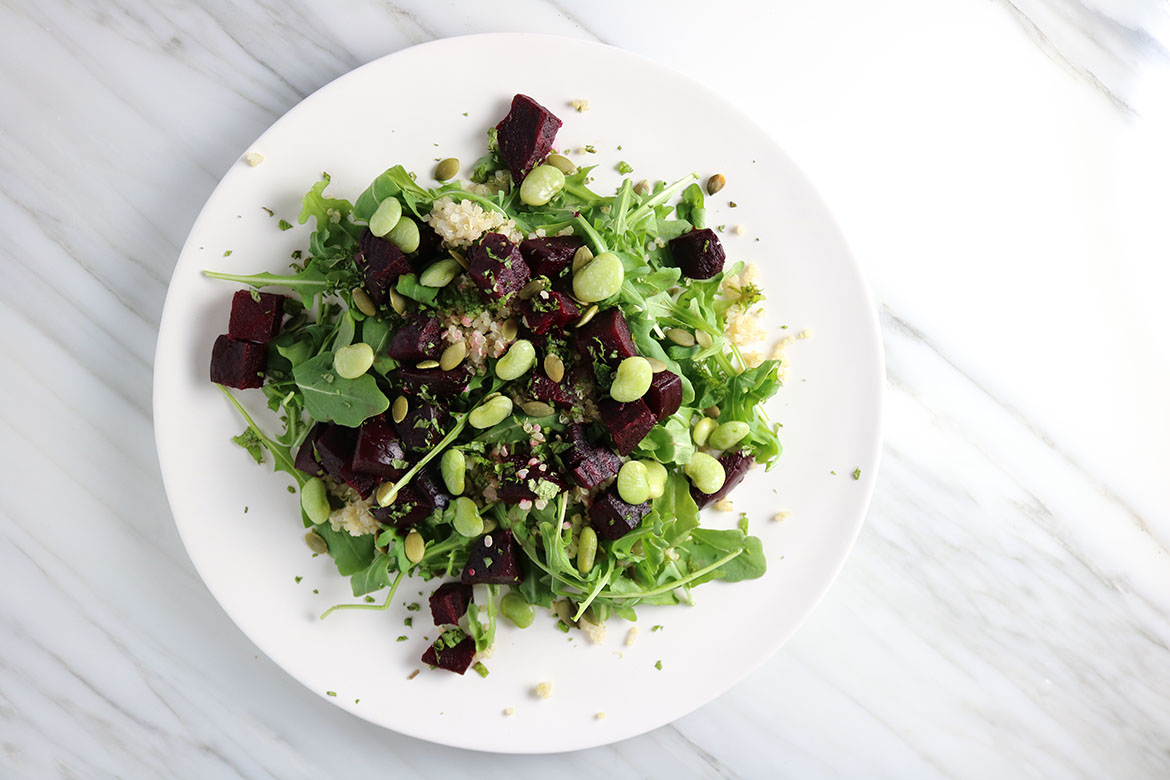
[353,361]
[702,430]
[599,278]
[631,380]
[453,467]
[315,500]
[416,548]
[586,549]
[440,274]
[632,483]
[515,608]
[562,164]
[446,170]
[520,357]
[405,235]
[655,477]
[541,185]
[467,520]
[490,412]
[385,217]
[706,473]
[728,434]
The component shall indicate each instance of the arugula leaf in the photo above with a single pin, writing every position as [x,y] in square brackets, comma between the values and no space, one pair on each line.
[706,546]
[391,183]
[373,577]
[351,553]
[251,442]
[690,206]
[332,398]
[377,333]
[308,283]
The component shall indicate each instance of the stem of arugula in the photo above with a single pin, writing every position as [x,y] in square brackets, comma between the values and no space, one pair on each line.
[679,582]
[384,605]
[276,450]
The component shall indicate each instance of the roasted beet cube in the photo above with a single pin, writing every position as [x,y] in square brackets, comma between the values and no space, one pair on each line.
[548,310]
[493,560]
[415,501]
[236,363]
[438,382]
[606,338]
[306,459]
[382,262]
[665,395]
[423,425]
[496,266]
[364,484]
[613,518]
[334,447]
[379,449]
[544,389]
[698,254]
[449,602]
[430,248]
[450,652]
[549,256]
[418,339]
[588,462]
[255,315]
[735,467]
[628,423]
[520,477]
[525,136]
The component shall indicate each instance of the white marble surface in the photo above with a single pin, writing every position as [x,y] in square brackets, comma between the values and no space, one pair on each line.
[1000,169]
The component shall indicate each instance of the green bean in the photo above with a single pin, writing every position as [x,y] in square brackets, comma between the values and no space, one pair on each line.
[633,484]
[655,477]
[541,185]
[386,216]
[702,430]
[491,412]
[631,380]
[520,357]
[706,473]
[514,607]
[467,518]
[728,434]
[440,273]
[586,549]
[405,235]
[315,500]
[353,361]
[453,467]
[600,278]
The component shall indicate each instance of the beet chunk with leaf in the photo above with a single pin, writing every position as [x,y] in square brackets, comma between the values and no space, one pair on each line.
[606,338]
[613,518]
[628,423]
[588,462]
[238,363]
[438,382]
[379,449]
[736,465]
[496,266]
[419,339]
[544,389]
[665,395]
[334,446]
[551,256]
[306,459]
[256,316]
[449,603]
[525,136]
[548,310]
[493,560]
[423,425]
[698,254]
[453,651]
[416,501]
[519,477]
[361,482]
[382,262]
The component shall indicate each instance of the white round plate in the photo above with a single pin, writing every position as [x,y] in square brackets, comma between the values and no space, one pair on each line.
[242,528]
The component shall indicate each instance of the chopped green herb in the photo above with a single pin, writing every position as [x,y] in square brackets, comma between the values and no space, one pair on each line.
[330,693]
[658,665]
[656,628]
[299,580]
[408,622]
[369,599]
[402,638]
[624,167]
[227,253]
[271,213]
[563,626]
[857,473]
[284,224]
[480,669]
[414,607]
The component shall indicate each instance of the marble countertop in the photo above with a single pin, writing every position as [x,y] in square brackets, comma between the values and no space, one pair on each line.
[1000,170]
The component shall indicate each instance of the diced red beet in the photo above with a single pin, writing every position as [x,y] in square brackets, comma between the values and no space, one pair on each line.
[237,363]
[415,502]
[418,339]
[454,658]
[306,459]
[334,447]
[519,476]
[423,425]
[438,382]
[606,337]
[548,310]
[525,136]
[544,389]
[382,262]
[628,423]
[589,463]
[449,603]
[496,266]
[665,395]
[613,518]
[364,484]
[379,449]
[698,254]
[735,467]
[493,560]
[256,316]
[430,247]
[550,256]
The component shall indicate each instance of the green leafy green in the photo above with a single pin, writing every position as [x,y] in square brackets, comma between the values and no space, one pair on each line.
[332,398]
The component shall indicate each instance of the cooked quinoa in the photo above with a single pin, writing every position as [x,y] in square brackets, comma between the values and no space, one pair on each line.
[465,222]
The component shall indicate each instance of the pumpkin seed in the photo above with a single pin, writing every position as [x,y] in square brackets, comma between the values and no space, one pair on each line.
[386,494]
[416,548]
[554,367]
[704,338]
[397,302]
[716,183]
[562,164]
[427,364]
[447,169]
[363,302]
[531,289]
[684,338]
[537,409]
[712,411]
[581,257]
[656,365]
[398,411]
[453,355]
[588,315]
[509,330]
[642,187]
[316,543]
[459,259]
